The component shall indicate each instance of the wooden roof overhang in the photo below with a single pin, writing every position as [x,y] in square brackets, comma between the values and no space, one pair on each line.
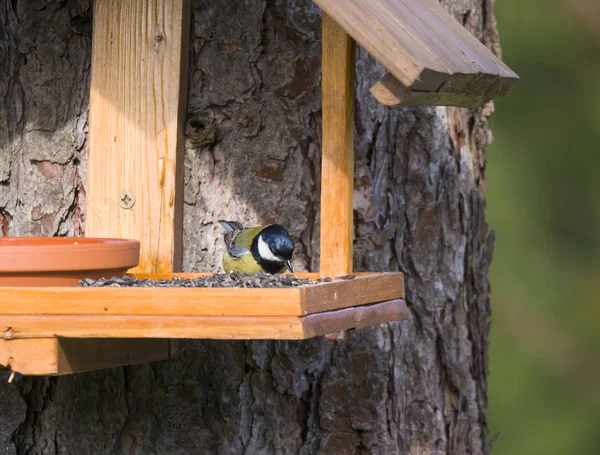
[430,57]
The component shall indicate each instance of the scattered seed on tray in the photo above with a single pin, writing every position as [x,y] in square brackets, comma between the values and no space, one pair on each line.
[217,280]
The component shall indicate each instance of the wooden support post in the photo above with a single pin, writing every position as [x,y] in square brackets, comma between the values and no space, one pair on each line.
[137,105]
[135,163]
[337,168]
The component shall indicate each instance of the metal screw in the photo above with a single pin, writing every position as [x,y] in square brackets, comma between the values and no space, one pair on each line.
[126,200]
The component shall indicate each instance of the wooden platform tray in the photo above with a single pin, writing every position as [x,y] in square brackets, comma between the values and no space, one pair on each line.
[49,331]
[156,301]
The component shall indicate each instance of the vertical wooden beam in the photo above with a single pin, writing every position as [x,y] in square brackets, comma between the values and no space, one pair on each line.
[135,161]
[137,107]
[337,171]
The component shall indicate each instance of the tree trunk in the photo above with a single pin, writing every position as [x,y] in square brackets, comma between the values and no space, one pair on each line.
[413,387]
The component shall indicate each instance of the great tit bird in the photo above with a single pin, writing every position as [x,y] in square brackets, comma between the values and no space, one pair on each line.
[257,249]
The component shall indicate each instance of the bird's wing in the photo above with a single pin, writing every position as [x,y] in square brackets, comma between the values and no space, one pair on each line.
[238,239]
[231,226]
[241,241]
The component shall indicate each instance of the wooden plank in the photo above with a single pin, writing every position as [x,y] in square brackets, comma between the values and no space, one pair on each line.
[160,302]
[137,107]
[151,301]
[441,35]
[204,327]
[390,92]
[354,318]
[444,31]
[392,45]
[209,327]
[423,46]
[54,356]
[33,356]
[416,98]
[360,291]
[337,163]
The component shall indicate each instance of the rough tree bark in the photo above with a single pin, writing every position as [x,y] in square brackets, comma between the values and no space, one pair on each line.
[253,154]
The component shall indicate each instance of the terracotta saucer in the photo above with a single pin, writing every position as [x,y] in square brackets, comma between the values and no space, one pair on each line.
[64,261]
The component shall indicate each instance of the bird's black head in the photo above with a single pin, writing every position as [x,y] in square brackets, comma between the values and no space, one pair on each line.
[273,248]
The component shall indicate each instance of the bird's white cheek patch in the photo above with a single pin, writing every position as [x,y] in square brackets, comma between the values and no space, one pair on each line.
[265,252]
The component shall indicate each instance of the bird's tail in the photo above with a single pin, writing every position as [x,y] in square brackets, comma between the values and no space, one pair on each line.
[231,226]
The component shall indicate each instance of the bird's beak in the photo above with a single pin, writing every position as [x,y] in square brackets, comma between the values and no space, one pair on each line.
[288,264]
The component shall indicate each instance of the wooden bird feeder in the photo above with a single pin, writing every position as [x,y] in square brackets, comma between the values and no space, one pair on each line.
[137,108]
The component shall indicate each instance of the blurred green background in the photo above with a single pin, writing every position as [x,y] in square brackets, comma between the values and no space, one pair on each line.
[543,200]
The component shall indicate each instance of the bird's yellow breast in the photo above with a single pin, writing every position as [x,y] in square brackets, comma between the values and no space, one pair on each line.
[245,263]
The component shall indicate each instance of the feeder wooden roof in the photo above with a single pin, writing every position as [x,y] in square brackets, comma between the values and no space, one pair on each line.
[431,58]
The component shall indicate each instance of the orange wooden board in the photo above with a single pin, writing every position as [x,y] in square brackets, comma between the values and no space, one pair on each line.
[138,98]
[156,301]
[209,327]
[54,356]
[337,157]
